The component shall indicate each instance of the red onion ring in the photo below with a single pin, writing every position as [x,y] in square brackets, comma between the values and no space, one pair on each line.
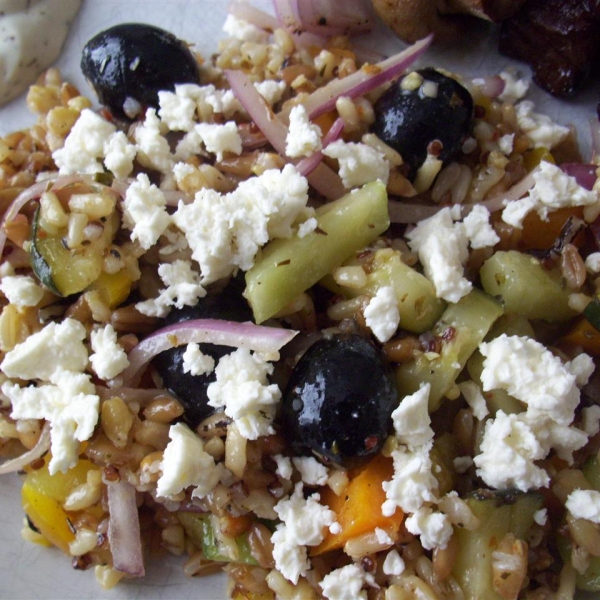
[20,462]
[334,18]
[213,331]
[310,163]
[253,15]
[584,174]
[124,528]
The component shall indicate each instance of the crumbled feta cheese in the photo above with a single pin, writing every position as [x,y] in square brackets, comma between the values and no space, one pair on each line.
[344,583]
[109,359]
[515,87]
[530,372]
[57,347]
[243,30]
[590,419]
[119,153]
[413,482]
[185,463]
[477,228]
[541,516]
[196,362]
[472,394]
[153,149]
[271,90]
[220,138]
[411,419]
[382,315]
[433,527]
[84,146]
[183,289]
[542,131]
[304,137]
[242,388]
[582,366]
[144,211]
[284,466]
[592,263]
[69,404]
[443,249]
[358,162]
[505,143]
[303,524]
[383,536]
[307,227]
[312,472]
[553,189]
[225,231]
[21,290]
[584,504]
[177,109]
[393,563]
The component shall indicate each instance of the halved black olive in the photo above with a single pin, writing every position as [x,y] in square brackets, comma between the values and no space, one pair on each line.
[409,120]
[191,389]
[339,400]
[136,61]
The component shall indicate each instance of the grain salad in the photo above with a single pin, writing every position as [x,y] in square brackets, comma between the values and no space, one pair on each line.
[324,321]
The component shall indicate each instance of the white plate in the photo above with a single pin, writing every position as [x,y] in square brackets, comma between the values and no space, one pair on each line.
[28,571]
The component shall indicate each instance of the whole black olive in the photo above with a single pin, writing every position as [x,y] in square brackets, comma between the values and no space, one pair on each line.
[339,400]
[410,117]
[191,389]
[136,61]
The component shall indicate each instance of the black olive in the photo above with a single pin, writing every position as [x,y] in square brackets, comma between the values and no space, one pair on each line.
[339,400]
[409,120]
[191,389]
[136,61]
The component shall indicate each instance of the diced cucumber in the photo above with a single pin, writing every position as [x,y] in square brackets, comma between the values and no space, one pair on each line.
[418,304]
[526,287]
[499,513]
[464,325]
[203,530]
[287,267]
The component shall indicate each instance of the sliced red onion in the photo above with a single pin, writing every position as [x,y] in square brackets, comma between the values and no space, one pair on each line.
[322,178]
[212,331]
[309,164]
[20,462]
[253,15]
[330,17]
[584,174]
[287,14]
[124,529]
[362,81]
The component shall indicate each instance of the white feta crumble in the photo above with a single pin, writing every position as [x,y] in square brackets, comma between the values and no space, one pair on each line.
[183,289]
[303,524]
[515,87]
[144,211]
[584,504]
[552,189]
[153,149]
[220,139]
[541,516]
[411,420]
[472,394]
[185,463]
[243,390]
[358,163]
[443,249]
[84,146]
[284,466]
[413,482]
[303,137]
[196,362]
[312,472]
[177,109]
[119,154]
[592,263]
[271,90]
[433,527]
[382,315]
[582,366]
[530,372]
[393,564]
[383,536]
[590,417]
[543,132]
[225,231]
[108,359]
[21,290]
[244,31]
[477,228]
[69,403]
[505,143]
[345,583]
[57,347]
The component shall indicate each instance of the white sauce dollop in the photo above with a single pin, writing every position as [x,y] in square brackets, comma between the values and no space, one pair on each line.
[32,33]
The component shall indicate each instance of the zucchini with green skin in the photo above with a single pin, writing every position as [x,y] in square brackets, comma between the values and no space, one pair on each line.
[500,514]
[462,327]
[67,271]
[526,287]
[287,267]
[418,305]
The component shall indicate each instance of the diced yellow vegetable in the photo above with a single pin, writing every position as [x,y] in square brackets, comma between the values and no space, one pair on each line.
[113,287]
